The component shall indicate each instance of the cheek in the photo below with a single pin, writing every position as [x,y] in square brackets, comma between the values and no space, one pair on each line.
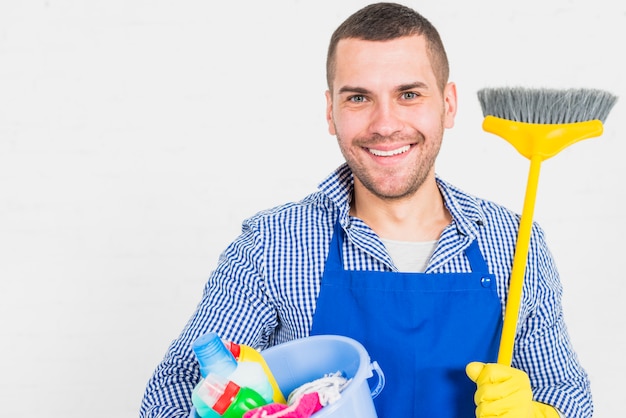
[349,124]
[433,122]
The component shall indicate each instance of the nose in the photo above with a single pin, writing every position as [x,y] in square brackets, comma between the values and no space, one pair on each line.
[385,119]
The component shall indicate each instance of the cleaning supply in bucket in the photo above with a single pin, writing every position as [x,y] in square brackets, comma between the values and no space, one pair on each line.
[328,388]
[214,357]
[299,362]
[305,406]
[216,396]
[305,400]
[244,353]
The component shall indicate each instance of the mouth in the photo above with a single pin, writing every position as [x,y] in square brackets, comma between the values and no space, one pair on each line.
[389,153]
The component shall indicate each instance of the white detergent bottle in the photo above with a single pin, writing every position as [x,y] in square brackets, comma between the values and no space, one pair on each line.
[214,357]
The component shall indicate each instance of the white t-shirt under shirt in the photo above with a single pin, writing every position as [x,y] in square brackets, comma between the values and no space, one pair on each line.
[408,256]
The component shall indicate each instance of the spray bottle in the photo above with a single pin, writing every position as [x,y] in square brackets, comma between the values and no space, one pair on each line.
[216,396]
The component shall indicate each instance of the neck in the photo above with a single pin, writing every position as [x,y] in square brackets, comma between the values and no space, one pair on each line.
[419,217]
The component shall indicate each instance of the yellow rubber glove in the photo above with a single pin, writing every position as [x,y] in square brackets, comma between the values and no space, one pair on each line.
[504,391]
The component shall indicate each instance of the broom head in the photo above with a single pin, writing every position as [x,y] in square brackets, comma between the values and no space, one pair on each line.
[541,122]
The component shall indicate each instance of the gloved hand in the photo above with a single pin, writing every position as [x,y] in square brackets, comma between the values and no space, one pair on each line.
[504,391]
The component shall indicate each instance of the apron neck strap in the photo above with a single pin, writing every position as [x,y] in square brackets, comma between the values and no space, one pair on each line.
[335,255]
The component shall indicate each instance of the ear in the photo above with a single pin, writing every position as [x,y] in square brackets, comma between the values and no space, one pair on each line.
[450,104]
[329,113]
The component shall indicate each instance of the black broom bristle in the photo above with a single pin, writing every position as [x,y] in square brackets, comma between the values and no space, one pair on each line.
[546,106]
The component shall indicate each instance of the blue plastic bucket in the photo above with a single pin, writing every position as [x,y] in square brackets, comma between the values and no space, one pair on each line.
[301,361]
[304,360]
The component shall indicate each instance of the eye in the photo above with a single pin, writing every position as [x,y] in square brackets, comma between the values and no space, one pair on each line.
[409,95]
[357,98]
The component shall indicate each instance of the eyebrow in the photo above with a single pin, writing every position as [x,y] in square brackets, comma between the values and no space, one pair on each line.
[350,89]
[411,86]
[401,87]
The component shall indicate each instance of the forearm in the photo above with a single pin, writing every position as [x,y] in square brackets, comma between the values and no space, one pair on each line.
[556,376]
[232,295]
[545,352]
[168,391]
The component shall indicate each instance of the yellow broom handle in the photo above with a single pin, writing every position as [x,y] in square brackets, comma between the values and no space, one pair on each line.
[511,313]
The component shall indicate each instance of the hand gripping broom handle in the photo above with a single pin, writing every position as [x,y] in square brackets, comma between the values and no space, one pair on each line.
[536,142]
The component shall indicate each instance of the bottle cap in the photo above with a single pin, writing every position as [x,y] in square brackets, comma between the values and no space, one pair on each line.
[206,394]
[213,356]
[234,348]
[227,398]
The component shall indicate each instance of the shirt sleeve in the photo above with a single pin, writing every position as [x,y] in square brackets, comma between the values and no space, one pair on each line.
[543,348]
[234,305]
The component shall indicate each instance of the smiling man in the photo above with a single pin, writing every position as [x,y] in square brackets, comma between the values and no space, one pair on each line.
[389,254]
[388,111]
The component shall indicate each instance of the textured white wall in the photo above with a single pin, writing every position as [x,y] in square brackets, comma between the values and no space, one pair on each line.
[136,135]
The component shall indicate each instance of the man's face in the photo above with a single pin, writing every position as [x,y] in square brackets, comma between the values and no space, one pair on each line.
[388,113]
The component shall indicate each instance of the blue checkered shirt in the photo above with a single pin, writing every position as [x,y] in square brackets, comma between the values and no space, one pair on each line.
[264,289]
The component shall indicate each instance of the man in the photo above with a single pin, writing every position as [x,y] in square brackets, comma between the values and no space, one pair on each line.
[391,255]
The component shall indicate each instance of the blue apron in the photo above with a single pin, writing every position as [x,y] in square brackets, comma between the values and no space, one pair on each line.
[422,329]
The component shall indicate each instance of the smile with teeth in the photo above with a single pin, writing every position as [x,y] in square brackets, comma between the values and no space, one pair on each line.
[390,153]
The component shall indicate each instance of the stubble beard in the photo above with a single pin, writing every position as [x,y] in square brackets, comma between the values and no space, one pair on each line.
[381,184]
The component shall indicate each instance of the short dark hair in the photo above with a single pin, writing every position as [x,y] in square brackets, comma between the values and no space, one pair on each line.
[387,21]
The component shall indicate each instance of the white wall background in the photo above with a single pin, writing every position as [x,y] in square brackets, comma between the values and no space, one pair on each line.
[136,135]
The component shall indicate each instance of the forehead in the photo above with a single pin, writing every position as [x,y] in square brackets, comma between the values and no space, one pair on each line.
[401,60]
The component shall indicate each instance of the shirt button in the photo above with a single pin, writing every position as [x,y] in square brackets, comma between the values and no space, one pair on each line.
[485,281]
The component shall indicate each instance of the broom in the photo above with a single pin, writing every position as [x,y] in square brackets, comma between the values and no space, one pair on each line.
[539,123]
